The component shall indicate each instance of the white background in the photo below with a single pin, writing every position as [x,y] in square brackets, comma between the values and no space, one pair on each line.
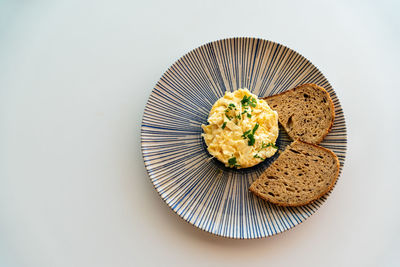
[74,79]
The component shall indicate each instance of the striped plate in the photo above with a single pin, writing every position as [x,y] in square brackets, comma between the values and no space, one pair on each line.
[199,189]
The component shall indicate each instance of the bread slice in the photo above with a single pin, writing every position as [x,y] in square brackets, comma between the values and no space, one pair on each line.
[305,112]
[301,174]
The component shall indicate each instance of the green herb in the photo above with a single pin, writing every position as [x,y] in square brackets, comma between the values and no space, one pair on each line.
[249,100]
[245,134]
[274,146]
[245,100]
[264,145]
[231,106]
[232,162]
[255,128]
[250,135]
[248,114]
[251,139]
[258,157]
[229,118]
[239,117]
[223,125]
[253,102]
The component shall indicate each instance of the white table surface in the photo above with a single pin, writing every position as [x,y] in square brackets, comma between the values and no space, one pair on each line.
[74,79]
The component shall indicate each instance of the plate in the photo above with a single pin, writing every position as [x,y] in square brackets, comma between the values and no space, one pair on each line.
[198,188]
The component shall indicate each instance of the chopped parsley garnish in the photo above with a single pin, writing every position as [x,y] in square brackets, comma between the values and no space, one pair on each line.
[251,139]
[255,128]
[245,100]
[274,146]
[231,106]
[253,102]
[249,100]
[223,125]
[258,157]
[250,135]
[232,162]
[248,114]
[239,117]
[264,145]
[245,134]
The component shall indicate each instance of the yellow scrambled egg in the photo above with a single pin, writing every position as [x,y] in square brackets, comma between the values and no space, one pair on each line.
[242,129]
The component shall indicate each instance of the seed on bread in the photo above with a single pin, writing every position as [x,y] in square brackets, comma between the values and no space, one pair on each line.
[302,173]
[305,112]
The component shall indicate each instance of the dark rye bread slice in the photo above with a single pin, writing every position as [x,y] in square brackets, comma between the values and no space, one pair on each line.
[305,112]
[301,174]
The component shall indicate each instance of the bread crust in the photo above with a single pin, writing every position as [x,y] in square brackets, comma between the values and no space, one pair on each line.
[316,87]
[329,188]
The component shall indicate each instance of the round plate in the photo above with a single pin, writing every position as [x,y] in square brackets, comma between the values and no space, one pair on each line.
[198,188]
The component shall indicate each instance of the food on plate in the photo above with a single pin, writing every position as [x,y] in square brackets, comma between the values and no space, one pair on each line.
[305,112]
[242,129]
[301,174]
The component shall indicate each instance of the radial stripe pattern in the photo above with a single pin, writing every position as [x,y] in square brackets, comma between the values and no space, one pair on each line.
[198,188]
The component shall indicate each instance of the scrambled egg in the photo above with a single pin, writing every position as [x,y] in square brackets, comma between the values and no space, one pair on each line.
[242,130]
